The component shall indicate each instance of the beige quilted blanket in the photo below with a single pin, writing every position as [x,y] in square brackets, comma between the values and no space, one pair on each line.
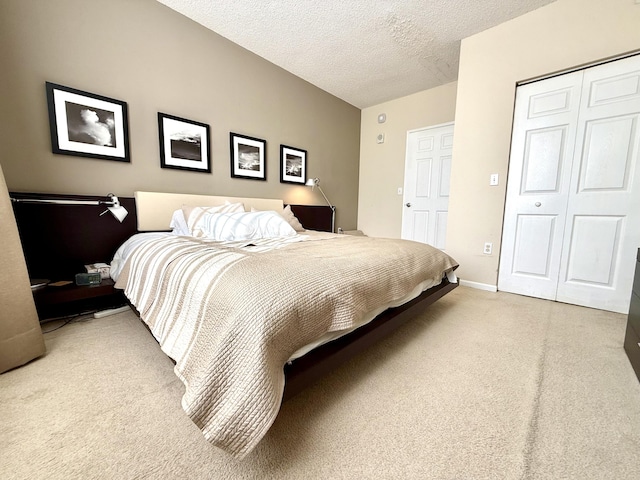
[231,317]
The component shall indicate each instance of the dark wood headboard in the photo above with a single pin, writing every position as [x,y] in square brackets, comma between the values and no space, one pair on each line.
[314,217]
[58,240]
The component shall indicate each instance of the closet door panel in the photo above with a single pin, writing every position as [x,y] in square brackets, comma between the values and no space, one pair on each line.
[596,237]
[542,150]
[608,154]
[602,230]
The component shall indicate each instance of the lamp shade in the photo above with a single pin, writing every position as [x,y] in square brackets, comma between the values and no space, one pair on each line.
[119,212]
[116,209]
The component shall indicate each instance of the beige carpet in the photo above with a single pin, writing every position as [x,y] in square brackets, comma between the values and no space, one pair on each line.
[484,385]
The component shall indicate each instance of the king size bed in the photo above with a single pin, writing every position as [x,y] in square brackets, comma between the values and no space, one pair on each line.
[245,300]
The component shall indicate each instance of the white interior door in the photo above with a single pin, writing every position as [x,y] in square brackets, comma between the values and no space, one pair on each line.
[426,185]
[572,216]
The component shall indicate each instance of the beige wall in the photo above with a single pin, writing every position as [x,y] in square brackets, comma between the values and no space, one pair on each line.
[564,34]
[382,165]
[157,60]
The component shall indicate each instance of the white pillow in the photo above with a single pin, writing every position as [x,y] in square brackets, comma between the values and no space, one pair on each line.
[225,227]
[195,215]
[288,215]
[179,224]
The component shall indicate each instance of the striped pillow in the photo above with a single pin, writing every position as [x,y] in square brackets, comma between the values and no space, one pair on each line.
[195,215]
[225,227]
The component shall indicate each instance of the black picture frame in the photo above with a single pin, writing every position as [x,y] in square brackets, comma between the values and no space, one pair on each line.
[293,165]
[184,144]
[84,124]
[248,157]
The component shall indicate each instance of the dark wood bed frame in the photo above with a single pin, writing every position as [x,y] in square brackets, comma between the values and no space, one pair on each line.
[58,240]
[306,370]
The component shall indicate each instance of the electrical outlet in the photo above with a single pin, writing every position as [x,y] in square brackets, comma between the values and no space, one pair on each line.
[488,247]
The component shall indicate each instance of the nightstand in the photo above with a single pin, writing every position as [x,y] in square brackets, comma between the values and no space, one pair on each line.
[71,299]
[632,337]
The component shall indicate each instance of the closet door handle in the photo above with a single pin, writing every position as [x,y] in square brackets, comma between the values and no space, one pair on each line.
[408,204]
[537,204]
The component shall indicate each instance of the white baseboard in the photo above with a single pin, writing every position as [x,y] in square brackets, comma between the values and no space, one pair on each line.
[479,286]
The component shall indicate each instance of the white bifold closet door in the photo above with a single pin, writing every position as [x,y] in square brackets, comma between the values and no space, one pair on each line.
[572,215]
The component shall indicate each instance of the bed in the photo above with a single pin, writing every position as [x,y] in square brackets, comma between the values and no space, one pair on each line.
[240,315]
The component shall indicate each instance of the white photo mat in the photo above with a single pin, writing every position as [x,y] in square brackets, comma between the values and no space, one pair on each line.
[248,157]
[85,124]
[184,144]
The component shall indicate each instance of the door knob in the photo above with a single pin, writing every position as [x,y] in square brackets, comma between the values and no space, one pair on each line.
[408,204]
[537,204]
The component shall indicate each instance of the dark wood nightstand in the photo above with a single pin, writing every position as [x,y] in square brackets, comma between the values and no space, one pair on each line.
[632,337]
[52,302]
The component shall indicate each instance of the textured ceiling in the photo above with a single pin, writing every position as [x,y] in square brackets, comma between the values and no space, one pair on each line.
[363,51]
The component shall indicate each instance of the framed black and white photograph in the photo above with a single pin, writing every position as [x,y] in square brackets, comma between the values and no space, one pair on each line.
[184,144]
[84,124]
[293,165]
[248,157]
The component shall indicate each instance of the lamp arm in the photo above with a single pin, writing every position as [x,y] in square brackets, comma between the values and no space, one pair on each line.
[325,197]
[113,204]
[113,201]
[333,210]
[58,202]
